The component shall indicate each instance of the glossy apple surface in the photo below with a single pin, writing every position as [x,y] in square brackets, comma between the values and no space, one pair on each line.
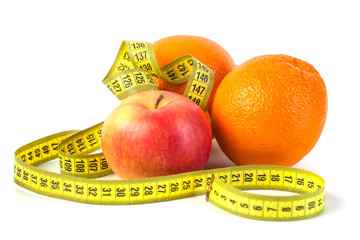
[156,133]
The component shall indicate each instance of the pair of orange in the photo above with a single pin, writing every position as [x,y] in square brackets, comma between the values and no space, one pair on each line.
[269,110]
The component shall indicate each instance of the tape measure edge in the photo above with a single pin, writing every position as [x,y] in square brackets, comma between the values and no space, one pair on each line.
[277,219]
[241,192]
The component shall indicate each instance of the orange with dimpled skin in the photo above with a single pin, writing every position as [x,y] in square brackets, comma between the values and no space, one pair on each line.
[270,110]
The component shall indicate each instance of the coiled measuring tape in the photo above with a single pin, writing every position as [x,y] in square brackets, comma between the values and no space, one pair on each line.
[136,63]
[132,71]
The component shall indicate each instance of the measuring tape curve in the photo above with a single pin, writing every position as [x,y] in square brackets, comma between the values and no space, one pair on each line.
[135,63]
[132,71]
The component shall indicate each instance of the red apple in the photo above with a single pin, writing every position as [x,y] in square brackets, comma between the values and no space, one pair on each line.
[156,133]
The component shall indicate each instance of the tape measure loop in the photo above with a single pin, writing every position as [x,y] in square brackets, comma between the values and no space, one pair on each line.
[218,184]
[135,65]
[232,197]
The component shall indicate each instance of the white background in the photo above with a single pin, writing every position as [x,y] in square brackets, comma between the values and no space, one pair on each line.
[53,57]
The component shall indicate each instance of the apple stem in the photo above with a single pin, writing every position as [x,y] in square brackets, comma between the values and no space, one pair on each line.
[158,101]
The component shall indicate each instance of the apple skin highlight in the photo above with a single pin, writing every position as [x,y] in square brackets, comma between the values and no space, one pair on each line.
[140,141]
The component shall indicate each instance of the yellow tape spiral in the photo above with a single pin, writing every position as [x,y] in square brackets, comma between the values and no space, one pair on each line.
[132,71]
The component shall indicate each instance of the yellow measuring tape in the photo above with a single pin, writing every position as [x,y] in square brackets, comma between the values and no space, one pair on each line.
[132,71]
[136,63]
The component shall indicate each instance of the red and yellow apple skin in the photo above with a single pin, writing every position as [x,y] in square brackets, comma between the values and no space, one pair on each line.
[148,136]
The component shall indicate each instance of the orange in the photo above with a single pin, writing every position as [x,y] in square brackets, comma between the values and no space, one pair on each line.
[206,51]
[270,110]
